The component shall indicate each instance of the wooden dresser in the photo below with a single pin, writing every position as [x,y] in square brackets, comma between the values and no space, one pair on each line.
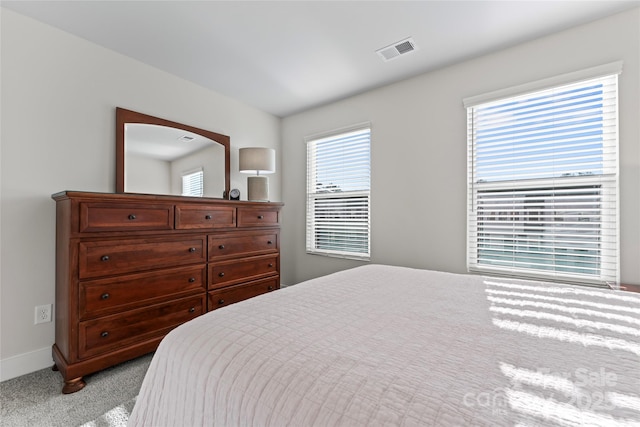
[130,267]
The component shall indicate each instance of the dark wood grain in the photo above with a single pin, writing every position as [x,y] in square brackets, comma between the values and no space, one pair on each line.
[124,116]
[223,297]
[106,296]
[119,330]
[123,283]
[225,273]
[190,217]
[629,287]
[125,216]
[225,245]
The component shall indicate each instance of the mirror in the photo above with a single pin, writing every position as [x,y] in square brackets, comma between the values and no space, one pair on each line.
[158,156]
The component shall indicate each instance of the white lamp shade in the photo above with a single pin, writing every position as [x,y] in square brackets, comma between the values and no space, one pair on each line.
[257,160]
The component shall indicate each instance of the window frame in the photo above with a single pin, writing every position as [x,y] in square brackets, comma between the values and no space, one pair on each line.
[606,183]
[187,175]
[360,198]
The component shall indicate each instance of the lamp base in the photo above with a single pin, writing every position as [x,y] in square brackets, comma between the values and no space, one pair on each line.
[258,188]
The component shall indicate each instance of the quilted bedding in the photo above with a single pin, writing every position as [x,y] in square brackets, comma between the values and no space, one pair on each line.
[380,345]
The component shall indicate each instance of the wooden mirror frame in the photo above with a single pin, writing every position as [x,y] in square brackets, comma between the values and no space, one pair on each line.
[124,116]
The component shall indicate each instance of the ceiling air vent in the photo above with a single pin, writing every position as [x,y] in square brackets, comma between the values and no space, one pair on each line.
[397,49]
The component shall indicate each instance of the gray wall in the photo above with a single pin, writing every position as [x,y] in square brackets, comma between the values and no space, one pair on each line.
[418,187]
[58,133]
[58,95]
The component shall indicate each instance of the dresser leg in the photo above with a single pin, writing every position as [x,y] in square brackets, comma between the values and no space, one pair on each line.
[73,385]
[55,367]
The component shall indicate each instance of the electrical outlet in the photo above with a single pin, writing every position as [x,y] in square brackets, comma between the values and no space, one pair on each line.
[43,313]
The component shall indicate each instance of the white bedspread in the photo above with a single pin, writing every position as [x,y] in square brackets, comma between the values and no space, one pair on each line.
[380,345]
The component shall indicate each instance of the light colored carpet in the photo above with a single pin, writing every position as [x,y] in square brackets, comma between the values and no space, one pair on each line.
[115,417]
[36,400]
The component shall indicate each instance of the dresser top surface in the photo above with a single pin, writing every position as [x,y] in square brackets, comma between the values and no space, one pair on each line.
[132,197]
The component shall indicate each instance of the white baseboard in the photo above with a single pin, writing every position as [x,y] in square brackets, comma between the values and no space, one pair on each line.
[25,363]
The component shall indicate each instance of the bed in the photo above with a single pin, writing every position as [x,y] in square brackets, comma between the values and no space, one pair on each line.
[392,346]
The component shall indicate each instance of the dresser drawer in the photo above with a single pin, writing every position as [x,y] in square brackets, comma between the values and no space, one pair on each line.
[125,216]
[256,217]
[110,257]
[223,246]
[119,330]
[190,217]
[105,296]
[226,273]
[223,297]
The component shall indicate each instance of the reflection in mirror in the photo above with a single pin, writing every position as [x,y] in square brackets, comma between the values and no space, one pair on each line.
[163,160]
[157,156]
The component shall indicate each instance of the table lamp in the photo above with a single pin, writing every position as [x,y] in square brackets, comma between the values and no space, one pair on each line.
[257,160]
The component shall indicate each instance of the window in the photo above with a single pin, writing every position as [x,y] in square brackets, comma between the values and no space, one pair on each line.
[193,183]
[542,185]
[338,184]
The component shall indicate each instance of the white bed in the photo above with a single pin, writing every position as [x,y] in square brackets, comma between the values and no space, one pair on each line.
[380,345]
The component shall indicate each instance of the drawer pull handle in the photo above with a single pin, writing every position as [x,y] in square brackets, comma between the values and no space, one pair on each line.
[132,217]
[192,279]
[104,334]
[207,217]
[192,310]
[270,264]
[260,217]
[221,247]
[192,249]
[104,258]
[270,288]
[269,242]
[221,274]
[105,296]
[220,301]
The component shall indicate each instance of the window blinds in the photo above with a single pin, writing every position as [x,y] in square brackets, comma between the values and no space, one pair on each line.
[543,183]
[193,183]
[338,194]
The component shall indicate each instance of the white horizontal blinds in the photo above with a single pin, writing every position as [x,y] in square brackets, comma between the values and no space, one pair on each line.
[193,183]
[338,184]
[543,183]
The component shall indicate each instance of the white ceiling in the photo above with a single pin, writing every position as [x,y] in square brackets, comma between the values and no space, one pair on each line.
[287,56]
